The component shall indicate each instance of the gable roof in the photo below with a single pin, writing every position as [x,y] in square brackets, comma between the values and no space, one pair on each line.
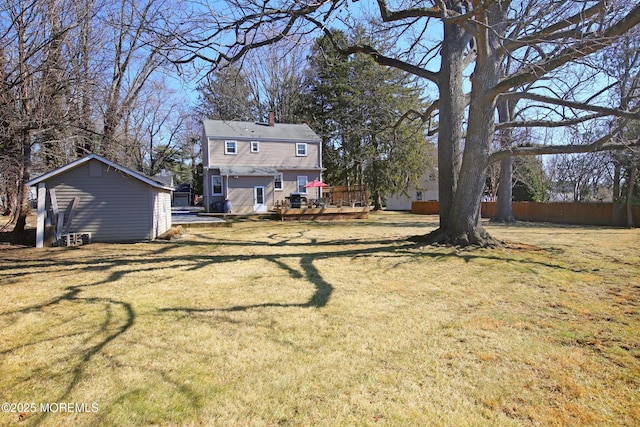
[134,174]
[223,129]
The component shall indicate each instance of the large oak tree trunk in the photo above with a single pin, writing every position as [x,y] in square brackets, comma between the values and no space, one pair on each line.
[460,223]
[450,130]
[465,227]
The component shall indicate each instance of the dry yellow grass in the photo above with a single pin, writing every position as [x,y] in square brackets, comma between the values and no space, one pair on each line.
[343,323]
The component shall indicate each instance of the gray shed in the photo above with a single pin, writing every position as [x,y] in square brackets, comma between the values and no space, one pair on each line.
[113,203]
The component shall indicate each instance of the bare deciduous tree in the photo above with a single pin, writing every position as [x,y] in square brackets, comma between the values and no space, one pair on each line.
[276,74]
[138,47]
[33,34]
[54,56]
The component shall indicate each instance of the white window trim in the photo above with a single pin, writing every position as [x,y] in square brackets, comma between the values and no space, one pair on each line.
[257,143]
[281,182]
[303,144]
[221,193]
[302,190]
[226,148]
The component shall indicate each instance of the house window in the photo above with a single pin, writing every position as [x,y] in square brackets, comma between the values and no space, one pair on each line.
[418,195]
[216,185]
[301,149]
[277,182]
[230,147]
[302,181]
[255,147]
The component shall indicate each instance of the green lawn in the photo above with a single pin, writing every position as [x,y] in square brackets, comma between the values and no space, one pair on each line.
[325,323]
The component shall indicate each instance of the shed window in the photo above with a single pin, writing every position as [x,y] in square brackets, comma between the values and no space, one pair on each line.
[255,147]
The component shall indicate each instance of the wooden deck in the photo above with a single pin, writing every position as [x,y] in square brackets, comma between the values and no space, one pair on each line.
[327,213]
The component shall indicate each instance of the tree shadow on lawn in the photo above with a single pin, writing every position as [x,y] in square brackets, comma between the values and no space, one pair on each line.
[120,316]
[323,289]
[110,329]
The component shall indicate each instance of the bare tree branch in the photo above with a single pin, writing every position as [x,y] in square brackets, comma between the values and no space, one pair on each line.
[554,32]
[632,115]
[379,58]
[547,123]
[420,12]
[425,116]
[535,150]
[570,53]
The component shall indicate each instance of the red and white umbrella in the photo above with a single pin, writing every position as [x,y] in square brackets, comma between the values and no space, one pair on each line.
[316,183]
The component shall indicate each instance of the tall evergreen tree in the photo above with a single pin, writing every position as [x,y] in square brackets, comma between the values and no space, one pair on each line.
[529,182]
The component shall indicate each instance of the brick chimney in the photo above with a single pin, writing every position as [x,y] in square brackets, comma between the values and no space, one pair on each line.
[272,118]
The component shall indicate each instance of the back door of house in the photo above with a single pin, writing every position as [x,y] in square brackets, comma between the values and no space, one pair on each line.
[259,203]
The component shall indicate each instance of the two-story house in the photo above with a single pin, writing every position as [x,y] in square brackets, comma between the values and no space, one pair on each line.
[248,167]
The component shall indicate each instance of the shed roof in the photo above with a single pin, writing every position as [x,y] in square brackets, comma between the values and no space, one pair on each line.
[260,131]
[134,174]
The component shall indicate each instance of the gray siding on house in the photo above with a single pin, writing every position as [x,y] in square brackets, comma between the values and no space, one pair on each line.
[114,207]
[241,189]
[278,154]
[204,151]
[290,181]
[241,192]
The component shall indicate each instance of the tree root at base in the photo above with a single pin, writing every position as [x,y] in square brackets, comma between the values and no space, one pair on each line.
[441,237]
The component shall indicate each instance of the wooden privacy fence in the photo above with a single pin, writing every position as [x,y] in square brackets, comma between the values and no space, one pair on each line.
[564,213]
[347,195]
